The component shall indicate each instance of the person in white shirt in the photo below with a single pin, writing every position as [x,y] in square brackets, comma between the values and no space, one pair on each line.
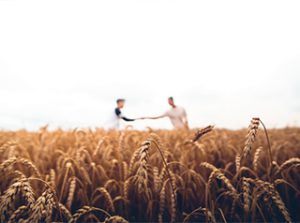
[176,114]
[117,115]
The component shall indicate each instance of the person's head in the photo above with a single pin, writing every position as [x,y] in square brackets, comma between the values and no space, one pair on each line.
[120,102]
[171,101]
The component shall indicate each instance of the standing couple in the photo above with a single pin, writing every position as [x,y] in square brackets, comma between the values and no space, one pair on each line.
[176,114]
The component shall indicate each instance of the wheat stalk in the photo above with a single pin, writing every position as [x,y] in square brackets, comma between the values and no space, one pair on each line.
[290,162]
[252,131]
[106,196]
[8,200]
[115,219]
[86,210]
[43,207]
[237,162]
[200,210]
[256,157]
[62,208]
[162,201]
[270,190]
[72,189]
[16,216]
[218,174]
[246,195]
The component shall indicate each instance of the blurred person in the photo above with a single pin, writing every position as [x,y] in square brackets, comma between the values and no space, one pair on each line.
[118,116]
[176,114]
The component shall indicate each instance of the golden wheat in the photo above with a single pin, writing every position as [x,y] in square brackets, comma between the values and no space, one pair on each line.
[150,176]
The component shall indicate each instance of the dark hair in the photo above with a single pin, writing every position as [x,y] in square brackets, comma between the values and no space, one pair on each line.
[171,98]
[120,99]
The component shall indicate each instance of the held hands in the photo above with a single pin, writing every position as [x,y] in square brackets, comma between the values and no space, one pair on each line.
[141,118]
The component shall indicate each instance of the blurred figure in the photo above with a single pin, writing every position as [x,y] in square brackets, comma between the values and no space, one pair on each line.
[176,114]
[117,115]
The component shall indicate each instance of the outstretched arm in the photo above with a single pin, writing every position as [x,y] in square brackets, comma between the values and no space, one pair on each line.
[155,117]
[119,114]
[127,119]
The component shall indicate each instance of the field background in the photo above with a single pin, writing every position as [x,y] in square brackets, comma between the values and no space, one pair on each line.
[155,175]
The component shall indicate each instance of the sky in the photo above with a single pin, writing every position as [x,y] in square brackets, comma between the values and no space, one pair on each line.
[64,63]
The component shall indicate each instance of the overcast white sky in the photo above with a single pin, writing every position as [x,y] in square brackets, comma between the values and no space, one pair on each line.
[65,62]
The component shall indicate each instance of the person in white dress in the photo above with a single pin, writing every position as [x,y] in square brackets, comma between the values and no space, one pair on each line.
[176,114]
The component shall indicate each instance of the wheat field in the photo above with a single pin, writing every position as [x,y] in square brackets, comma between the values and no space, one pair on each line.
[205,175]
